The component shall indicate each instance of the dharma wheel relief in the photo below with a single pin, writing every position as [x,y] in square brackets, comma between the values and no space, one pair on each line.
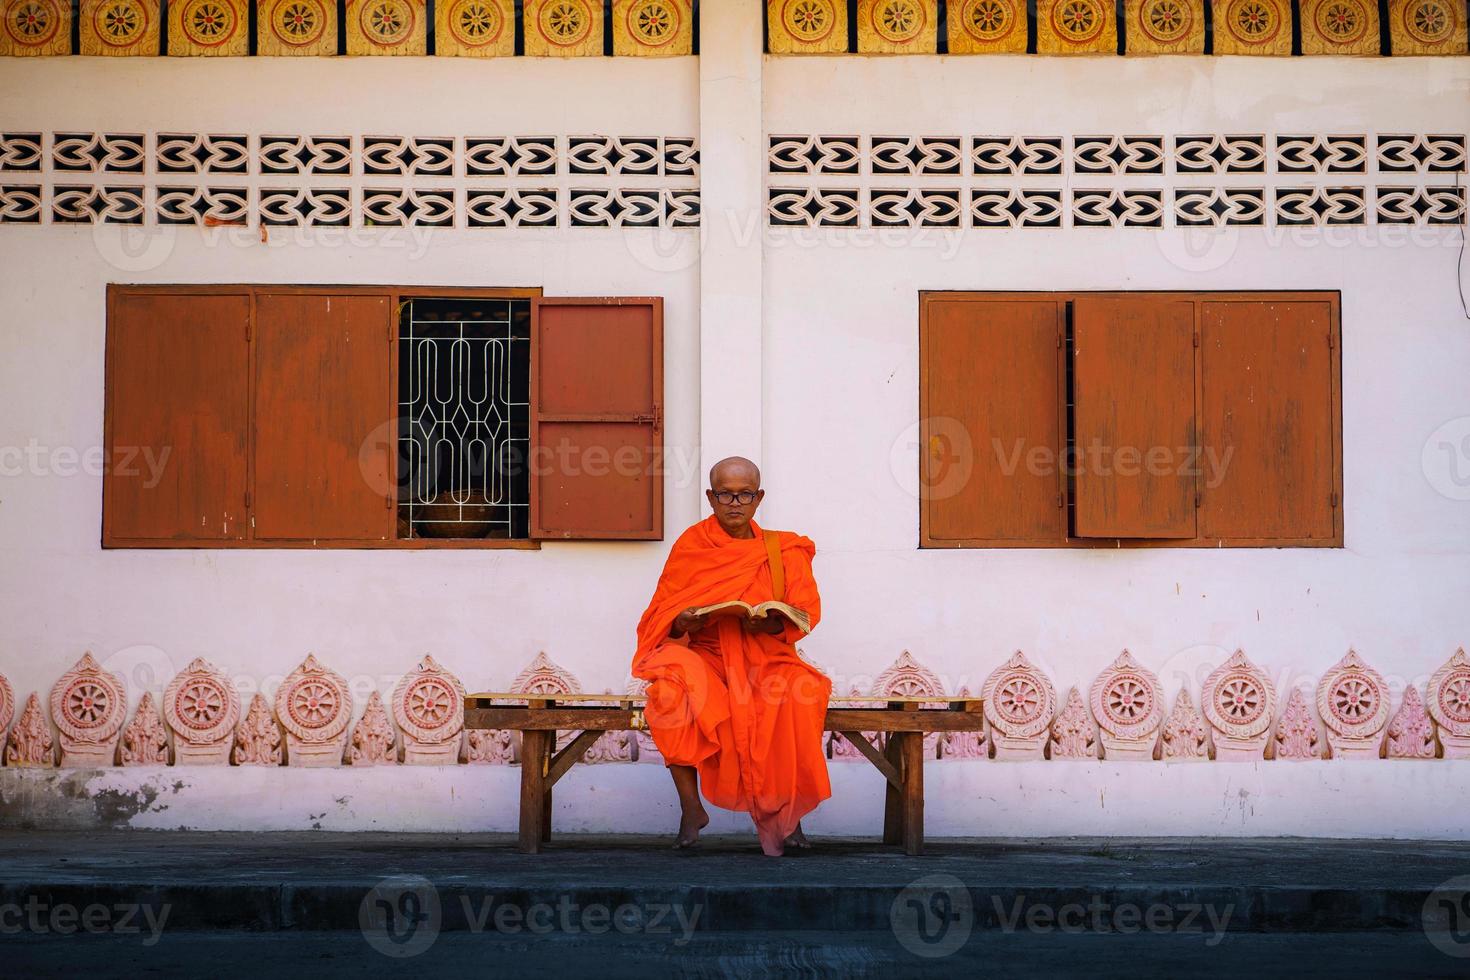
[1352,699]
[1127,703]
[1239,703]
[202,709]
[89,707]
[1019,704]
[428,705]
[314,707]
[1449,705]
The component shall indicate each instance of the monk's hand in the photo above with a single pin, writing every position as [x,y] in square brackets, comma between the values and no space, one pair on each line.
[771,623]
[688,622]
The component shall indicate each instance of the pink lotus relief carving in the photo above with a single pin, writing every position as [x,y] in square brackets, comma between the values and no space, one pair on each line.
[907,678]
[89,706]
[1019,704]
[258,741]
[1128,706]
[201,707]
[1072,733]
[1239,702]
[489,747]
[966,745]
[374,742]
[1411,732]
[1297,738]
[1448,702]
[145,740]
[29,744]
[315,709]
[7,705]
[1184,737]
[1352,699]
[428,705]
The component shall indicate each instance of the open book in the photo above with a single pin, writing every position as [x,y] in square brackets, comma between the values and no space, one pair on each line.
[745,610]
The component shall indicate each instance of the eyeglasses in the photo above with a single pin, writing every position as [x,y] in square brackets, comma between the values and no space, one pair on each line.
[728,497]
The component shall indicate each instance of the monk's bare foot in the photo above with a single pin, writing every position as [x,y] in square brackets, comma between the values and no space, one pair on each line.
[797,839]
[690,824]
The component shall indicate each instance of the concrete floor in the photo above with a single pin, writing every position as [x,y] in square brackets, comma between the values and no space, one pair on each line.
[223,904]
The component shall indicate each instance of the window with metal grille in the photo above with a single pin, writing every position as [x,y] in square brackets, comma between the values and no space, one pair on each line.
[380,416]
[464,372]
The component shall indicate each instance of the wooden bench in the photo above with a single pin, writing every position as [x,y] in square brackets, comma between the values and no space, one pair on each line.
[540,718]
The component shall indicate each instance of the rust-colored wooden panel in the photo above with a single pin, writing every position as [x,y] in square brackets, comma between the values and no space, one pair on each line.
[990,450]
[177,408]
[322,388]
[597,418]
[1267,420]
[1134,416]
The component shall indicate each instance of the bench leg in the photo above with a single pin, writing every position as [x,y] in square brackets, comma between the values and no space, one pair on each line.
[893,799]
[534,812]
[550,739]
[913,792]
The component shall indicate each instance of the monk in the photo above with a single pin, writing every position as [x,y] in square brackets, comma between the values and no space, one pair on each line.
[731,705]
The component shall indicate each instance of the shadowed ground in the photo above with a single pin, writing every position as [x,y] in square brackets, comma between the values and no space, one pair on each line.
[191,904]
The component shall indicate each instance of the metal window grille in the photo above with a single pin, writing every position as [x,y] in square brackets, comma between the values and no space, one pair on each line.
[463,391]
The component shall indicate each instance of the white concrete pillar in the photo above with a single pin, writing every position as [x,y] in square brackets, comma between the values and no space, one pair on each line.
[732,165]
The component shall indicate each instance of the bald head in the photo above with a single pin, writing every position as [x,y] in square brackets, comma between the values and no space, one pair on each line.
[734,493]
[735,467]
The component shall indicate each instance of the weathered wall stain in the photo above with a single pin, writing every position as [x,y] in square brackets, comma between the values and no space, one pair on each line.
[78,799]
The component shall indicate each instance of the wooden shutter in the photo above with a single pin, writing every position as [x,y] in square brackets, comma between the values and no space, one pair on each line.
[1268,419]
[597,418]
[990,435]
[177,406]
[322,366]
[1134,403]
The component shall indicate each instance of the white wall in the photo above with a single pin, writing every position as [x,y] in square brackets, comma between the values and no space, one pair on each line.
[842,375]
[839,374]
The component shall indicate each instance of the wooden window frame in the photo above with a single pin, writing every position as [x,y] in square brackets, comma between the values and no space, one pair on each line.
[398,294]
[1199,297]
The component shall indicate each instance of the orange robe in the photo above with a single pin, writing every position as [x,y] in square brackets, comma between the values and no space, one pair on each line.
[742,708]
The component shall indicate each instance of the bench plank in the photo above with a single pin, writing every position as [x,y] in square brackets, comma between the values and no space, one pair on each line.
[519,718]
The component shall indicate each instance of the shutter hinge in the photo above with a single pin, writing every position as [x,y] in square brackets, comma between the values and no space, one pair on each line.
[1198,499]
[249,500]
[1061,501]
[1332,498]
[388,501]
[1059,340]
[1331,341]
[1196,338]
[247,330]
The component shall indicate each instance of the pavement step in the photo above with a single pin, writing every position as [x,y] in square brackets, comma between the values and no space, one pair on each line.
[337,954]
